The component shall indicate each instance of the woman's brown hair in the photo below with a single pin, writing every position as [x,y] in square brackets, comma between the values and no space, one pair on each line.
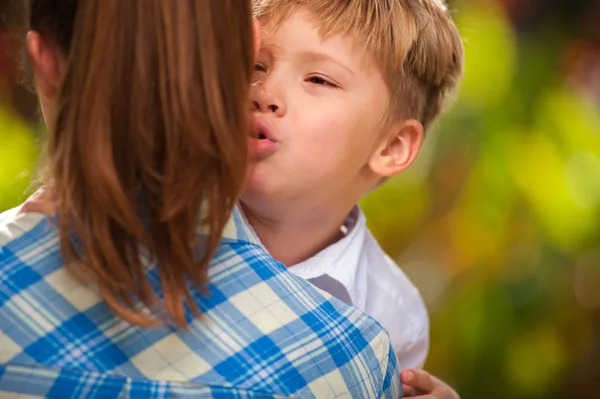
[148,144]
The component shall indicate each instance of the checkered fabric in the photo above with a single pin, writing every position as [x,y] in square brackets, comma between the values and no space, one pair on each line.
[264,333]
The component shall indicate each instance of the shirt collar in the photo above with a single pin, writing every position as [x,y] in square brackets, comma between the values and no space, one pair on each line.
[238,228]
[341,259]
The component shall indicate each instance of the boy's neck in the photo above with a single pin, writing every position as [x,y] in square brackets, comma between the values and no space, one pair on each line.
[294,238]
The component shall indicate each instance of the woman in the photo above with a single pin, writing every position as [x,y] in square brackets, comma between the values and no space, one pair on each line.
[146,103]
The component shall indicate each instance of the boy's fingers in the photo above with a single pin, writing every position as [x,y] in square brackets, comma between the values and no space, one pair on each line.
[419,379]
[443,390]
[409,391]
[415,395]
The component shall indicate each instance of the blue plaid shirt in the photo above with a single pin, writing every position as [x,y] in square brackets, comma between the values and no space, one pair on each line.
[264,333]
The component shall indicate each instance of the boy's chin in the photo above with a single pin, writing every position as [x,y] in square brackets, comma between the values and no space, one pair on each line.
[270,184]
[261,176]
[257,186]
[264,191]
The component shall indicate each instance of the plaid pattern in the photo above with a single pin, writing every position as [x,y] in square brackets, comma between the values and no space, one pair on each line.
[265,333]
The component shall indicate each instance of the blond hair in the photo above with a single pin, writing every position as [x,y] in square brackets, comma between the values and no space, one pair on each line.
[415,43]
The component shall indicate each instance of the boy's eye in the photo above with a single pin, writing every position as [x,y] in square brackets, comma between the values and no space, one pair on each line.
[320,81]
[260,68]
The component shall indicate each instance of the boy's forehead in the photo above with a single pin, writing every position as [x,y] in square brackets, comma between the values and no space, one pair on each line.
[269,40]
[305,20]
[344,44]
[304,14]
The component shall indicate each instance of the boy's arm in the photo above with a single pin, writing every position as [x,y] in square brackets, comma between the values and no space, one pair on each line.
[413,356]
[420,384]
[402,313]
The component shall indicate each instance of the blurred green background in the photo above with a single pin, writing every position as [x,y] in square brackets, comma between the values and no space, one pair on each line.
[498,223]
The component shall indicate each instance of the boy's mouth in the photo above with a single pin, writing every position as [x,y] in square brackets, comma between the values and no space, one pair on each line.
[261,141]
[261,131]
[259,136]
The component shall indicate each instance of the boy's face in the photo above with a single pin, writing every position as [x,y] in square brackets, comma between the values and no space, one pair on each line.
[318,107]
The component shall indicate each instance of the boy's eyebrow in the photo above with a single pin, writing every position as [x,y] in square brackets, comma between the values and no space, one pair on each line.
[271,45]
[318,56]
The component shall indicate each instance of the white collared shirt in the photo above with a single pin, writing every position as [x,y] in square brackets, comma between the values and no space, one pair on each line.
[357,271]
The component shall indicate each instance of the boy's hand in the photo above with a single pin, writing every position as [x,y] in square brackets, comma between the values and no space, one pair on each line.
[422,385]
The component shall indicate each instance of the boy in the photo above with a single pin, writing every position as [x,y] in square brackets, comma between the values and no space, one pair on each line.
[344,93]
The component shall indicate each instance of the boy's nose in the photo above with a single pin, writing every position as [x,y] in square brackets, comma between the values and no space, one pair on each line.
[271,107]
[266,101]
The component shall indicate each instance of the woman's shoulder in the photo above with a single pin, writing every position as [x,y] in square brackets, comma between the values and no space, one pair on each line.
[17,222]
[14,224]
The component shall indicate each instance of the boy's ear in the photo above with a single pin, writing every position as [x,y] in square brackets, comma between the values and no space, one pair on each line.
[398,149]
[47,67]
